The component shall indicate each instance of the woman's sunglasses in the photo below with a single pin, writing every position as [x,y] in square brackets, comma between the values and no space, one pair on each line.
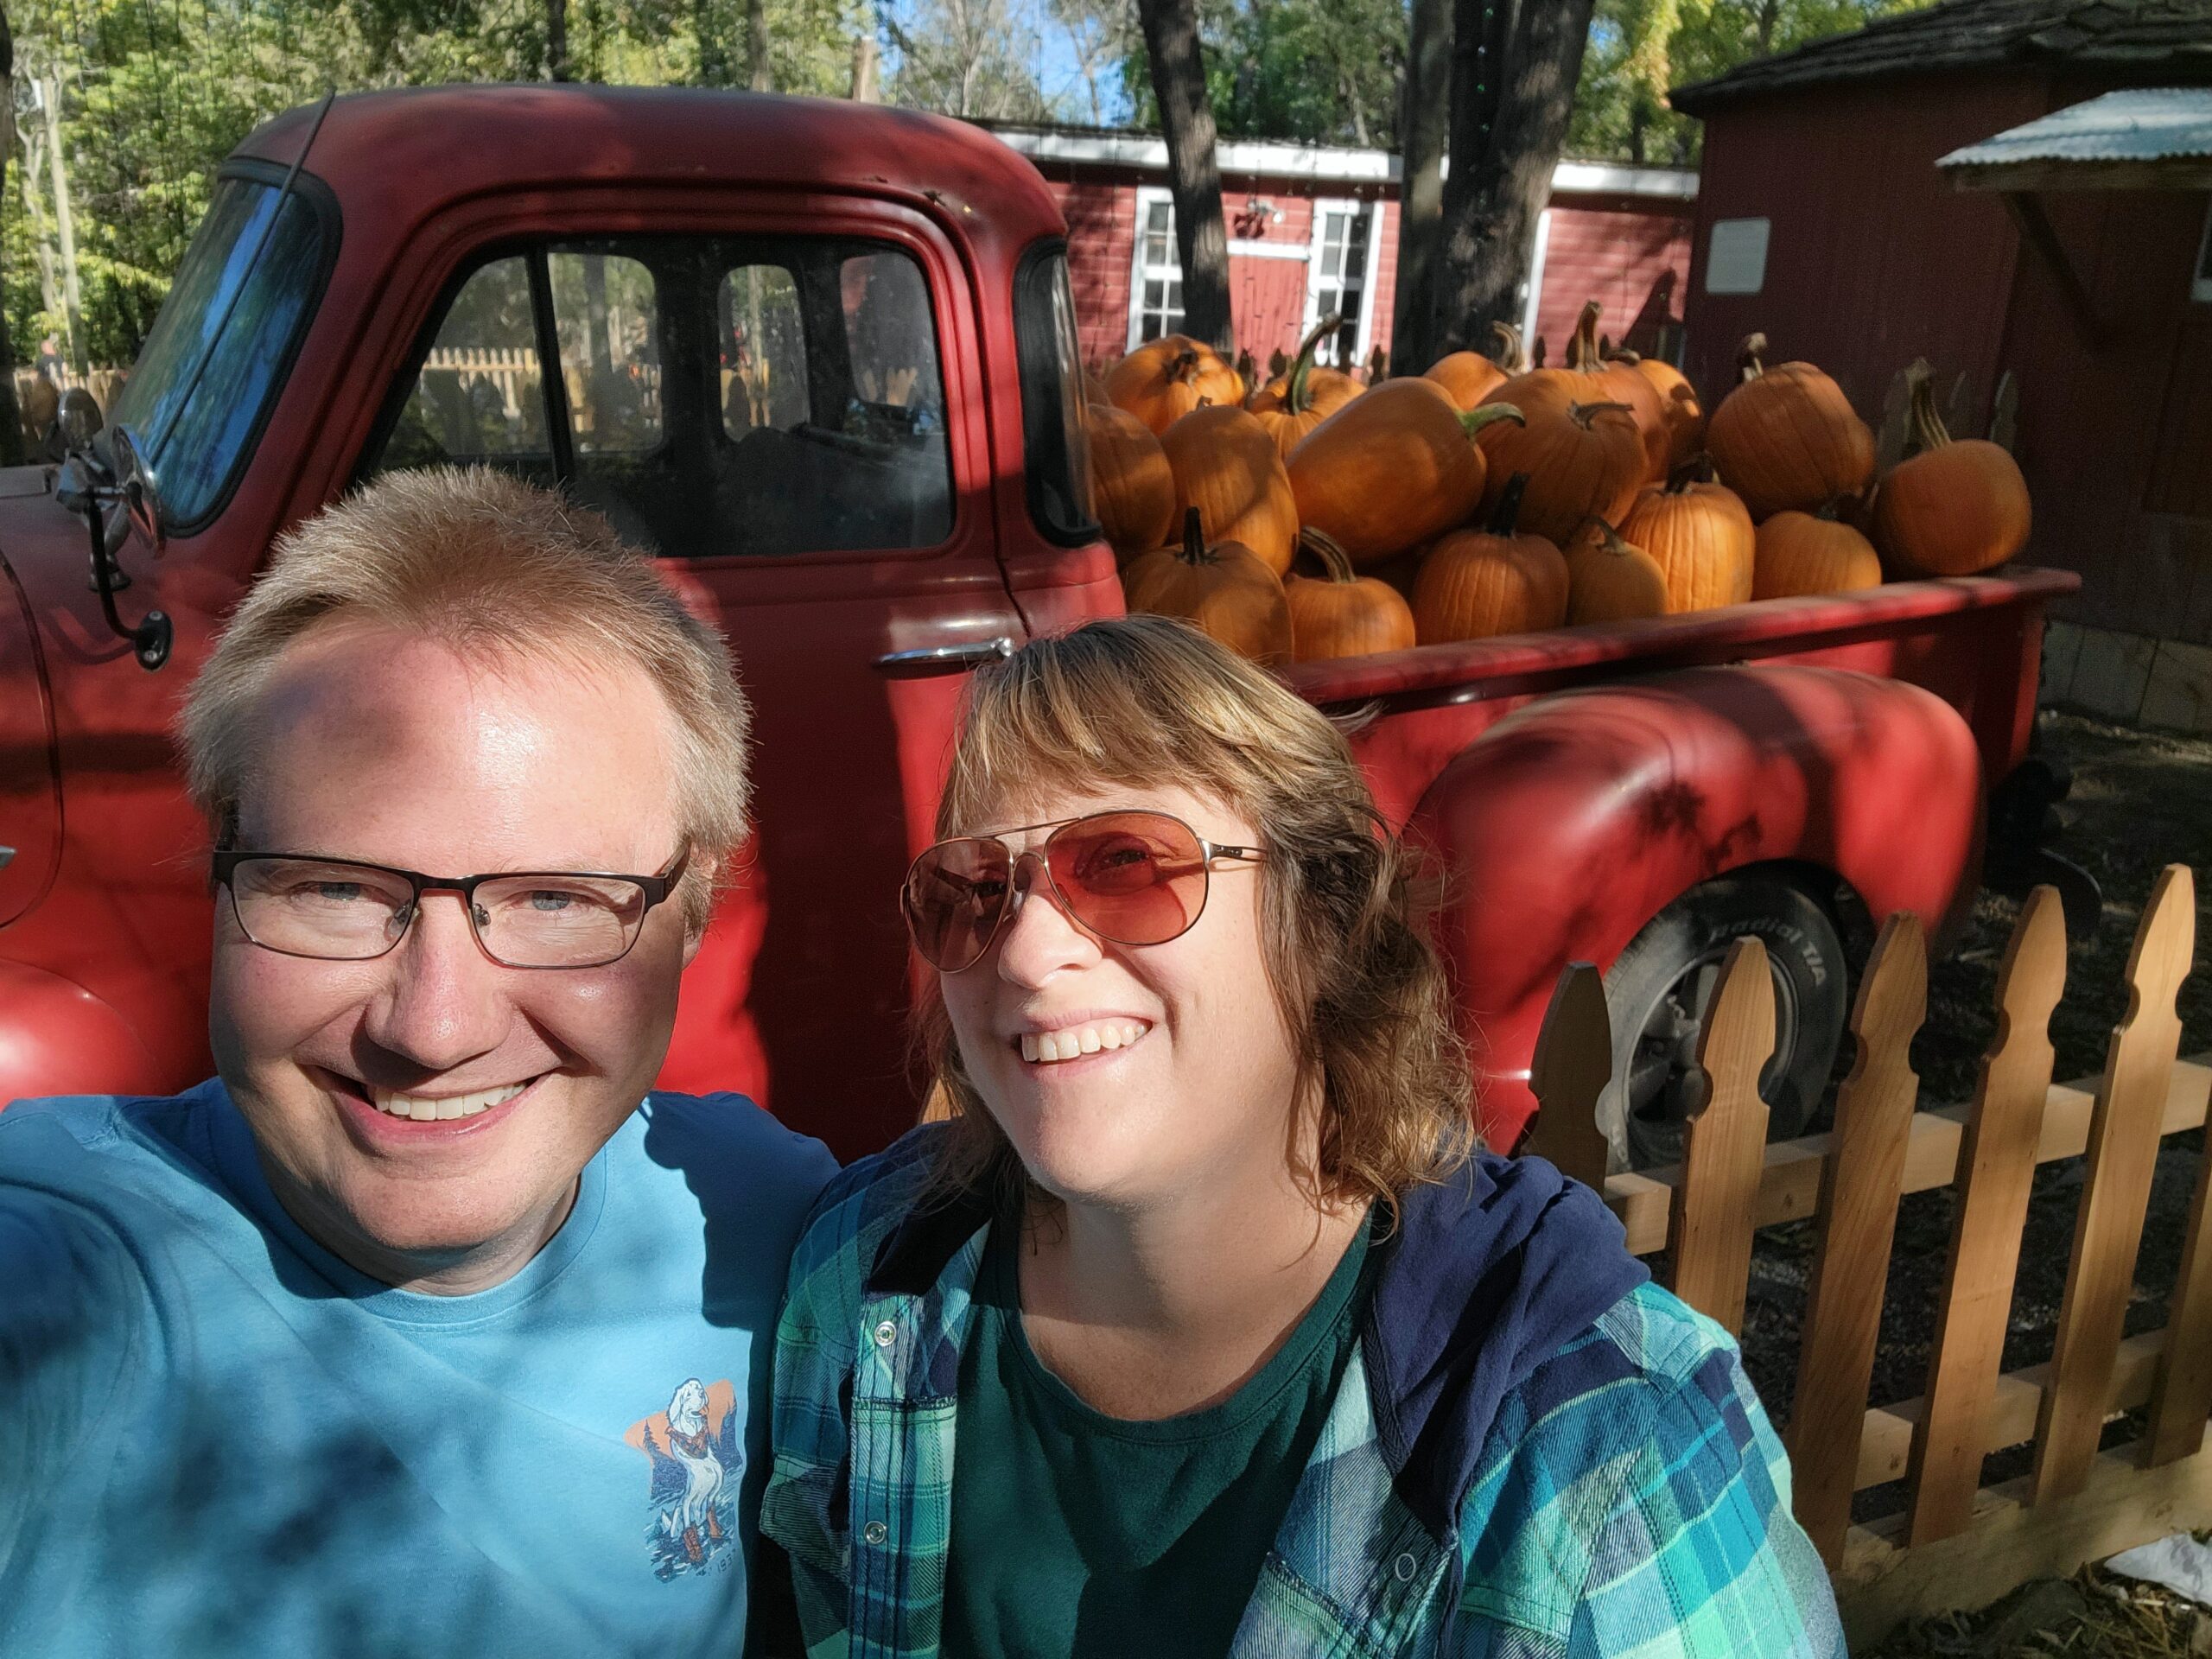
[1131,878]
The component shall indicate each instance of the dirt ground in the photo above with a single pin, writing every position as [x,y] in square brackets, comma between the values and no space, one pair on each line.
[2140,801]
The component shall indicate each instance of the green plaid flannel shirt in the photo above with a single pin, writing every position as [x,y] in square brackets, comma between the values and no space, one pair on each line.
[1631,1497]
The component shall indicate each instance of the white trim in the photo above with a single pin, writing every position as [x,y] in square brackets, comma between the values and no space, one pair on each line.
[1147,195]
[1326,164]
[1248,249]
[1363,338]
[1529,312]
[2200,282]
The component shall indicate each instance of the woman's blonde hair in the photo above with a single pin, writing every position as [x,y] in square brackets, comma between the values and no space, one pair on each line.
[1144,702]
[495,569]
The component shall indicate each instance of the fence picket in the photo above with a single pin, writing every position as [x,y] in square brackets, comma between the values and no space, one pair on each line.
[1861,1181]
[1997,1166]
[2181,1398]
[1725,1148]
[1574,1065]
[2122,1154]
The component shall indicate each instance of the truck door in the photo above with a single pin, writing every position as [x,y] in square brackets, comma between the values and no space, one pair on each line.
[790,416]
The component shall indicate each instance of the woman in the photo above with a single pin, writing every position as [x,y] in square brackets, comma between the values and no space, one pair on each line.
[1242,1346]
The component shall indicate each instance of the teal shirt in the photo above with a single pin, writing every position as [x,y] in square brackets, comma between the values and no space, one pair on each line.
[1077,1534]
[217,1438]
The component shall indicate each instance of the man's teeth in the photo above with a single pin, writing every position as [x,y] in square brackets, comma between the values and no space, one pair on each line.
[424,1111]
[1077,1040]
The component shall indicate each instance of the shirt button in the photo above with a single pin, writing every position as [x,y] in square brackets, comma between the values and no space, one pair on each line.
[876,1533]
[1405,1567]
[885,1334]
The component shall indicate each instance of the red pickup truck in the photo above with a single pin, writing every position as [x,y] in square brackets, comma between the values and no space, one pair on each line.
[820,359]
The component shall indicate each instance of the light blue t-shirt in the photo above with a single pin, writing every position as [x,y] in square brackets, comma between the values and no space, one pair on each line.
[217,1438]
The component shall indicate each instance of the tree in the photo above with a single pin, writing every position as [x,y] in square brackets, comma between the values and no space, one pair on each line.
[968,57]
[1178,82]
[1515,65]
[11,419]
[1423,122]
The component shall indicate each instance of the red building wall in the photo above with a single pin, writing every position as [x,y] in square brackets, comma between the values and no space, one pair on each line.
[1630,256]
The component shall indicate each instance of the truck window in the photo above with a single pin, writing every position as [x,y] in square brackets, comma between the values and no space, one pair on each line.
[1057,454]
[218,352]
[716,395]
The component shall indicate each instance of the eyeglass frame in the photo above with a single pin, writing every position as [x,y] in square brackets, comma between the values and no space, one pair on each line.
[224,862]
[1208,851]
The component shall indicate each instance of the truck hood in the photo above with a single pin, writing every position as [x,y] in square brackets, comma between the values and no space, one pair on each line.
[31,789]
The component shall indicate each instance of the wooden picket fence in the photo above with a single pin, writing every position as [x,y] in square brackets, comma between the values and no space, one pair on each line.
[1955,1543]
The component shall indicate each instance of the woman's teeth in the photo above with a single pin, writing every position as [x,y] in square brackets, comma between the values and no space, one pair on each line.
[1077,1040]
[424,1111]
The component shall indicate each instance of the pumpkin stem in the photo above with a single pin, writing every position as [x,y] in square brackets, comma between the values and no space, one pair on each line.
[1481,414]
[1182,366]
[1928,430]
[1748,365]
[1621,354]
[1194,550]
[1582,350]
[1507,513]
[1294,398]
[1512,355]
[1582,413]
[1334,560]
[1608,537]
[1698,469]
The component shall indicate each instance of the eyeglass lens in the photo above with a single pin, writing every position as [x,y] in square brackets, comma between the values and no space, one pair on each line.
[348,912]
[1133,878]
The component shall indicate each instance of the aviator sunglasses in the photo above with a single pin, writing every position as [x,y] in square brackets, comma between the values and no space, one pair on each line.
[1131,878]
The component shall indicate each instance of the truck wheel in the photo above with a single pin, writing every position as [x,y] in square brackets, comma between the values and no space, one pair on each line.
[1657,992]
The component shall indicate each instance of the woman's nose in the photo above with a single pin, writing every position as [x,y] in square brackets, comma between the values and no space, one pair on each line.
[1040,938]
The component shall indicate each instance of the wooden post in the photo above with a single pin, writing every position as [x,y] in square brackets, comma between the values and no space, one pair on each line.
[1573,1067]
[1997,1166]
[1725,1149]
[2123,1152]
[2181,1398]
[1861,1181]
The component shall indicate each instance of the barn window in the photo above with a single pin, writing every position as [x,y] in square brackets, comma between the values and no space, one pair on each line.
[1338,277]
[1735,257]
[1156,281]
[2201,289]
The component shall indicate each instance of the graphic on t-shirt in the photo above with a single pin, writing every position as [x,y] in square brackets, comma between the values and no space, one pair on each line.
[696,1459]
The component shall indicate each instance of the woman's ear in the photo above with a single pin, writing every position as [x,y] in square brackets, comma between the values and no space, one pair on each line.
[703,870]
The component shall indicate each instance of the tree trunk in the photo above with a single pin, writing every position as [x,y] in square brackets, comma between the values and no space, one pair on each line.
[556,39]
[1423,119]
[867,88]
[1178,82]
[72,296]
[756,45]
[1515,66]
[11,417]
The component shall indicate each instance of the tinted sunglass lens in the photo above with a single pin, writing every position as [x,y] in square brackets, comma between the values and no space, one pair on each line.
[953,898]
[1135,877]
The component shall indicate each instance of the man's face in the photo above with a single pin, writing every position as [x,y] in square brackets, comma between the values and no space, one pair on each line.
[388,749]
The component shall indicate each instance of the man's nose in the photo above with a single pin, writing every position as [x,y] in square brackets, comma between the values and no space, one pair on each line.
[444,1002]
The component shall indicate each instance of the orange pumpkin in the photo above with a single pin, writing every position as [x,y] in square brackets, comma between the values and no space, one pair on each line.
[1579,445]
[1624,385]
[1221,586]
[1609,580]
[1165,379]
[1392,468]
[1227,466]
[1698,534]
[1788,437]
[1132,490]
[1809,553]
[1469,377]
[1340,614]
[1477,583]
[1295,402]
[1679,413]
[1958,506]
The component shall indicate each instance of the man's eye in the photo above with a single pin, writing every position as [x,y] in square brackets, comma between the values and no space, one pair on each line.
[328,892]
[547,899]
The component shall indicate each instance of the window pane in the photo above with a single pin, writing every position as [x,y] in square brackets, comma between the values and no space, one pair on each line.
[1056,449]
[891,345]
[608,321]
[764,351]
[480,395]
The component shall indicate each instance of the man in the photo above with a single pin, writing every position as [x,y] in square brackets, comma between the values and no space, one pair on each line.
[424,1328]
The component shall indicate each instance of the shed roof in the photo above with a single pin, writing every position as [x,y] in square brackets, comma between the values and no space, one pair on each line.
[2141,136]
[2159,36]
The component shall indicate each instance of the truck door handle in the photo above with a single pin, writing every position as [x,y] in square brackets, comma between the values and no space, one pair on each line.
[7,856]
[930,660]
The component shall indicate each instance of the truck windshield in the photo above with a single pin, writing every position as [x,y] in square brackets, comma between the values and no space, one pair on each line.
[196,435]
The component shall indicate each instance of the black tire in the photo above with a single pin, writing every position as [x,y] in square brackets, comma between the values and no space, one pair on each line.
[1656,994]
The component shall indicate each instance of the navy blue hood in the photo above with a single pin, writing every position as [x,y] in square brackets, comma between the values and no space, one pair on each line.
[1487,1276]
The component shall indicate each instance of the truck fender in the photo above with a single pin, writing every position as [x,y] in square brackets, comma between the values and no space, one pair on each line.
[1573,822]
[56,1038]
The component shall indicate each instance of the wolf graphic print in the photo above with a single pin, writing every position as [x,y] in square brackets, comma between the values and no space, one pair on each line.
[697,1465]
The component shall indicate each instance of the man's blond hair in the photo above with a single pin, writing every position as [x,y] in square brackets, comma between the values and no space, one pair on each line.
[497,569]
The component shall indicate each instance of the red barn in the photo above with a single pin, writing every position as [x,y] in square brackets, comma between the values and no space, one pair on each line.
[1313,229]
[2071,252]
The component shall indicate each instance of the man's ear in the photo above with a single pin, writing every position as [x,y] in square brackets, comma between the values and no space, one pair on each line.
[704,871]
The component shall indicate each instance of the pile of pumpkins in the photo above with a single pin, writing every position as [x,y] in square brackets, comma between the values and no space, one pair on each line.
[1320,516]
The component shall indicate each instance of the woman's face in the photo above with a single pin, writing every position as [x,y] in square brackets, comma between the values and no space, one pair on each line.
[1190,1081]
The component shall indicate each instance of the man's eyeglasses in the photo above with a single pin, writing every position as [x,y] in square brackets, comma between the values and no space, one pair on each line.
[1131,878]
[341,909]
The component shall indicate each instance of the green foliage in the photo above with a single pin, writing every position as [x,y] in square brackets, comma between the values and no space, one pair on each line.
[1317,70]
[1638,49]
